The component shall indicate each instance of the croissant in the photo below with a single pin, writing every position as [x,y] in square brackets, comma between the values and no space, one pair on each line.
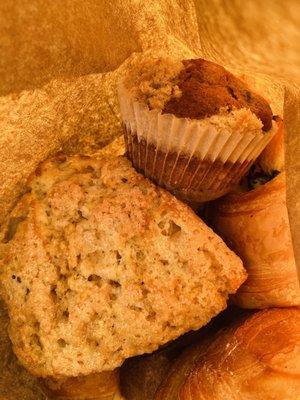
[256,225]
[257,359]
[101,386]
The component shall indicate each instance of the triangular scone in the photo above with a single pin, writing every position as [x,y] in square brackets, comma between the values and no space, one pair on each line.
[102,265]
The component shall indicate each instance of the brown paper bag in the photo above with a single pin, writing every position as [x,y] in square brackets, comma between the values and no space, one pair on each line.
[59,66]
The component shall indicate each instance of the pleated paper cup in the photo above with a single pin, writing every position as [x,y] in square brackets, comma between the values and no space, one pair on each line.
[194,160]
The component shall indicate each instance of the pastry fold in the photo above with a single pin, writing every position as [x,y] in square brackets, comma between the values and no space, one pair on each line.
[256,359]
[255,225]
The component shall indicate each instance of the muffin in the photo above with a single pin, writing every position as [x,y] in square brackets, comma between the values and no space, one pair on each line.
[191,126]
[101,265]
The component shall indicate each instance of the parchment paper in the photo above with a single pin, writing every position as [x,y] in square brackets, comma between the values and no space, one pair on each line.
[59,64]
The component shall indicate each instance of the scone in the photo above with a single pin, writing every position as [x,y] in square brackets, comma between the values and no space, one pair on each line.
[102,265]
[192,127]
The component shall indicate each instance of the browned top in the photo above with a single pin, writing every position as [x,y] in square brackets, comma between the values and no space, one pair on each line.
[207,87]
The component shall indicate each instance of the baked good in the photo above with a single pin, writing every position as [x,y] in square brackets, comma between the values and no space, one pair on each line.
[17,383]
[95,252]
[255,224]
[101,386]
[114,148]
[191,126]
[257,359]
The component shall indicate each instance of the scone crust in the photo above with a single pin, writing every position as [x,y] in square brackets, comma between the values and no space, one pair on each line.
[102,265]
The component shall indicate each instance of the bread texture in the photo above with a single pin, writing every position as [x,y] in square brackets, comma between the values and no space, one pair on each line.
[255,224]
[101,265]
[257,358]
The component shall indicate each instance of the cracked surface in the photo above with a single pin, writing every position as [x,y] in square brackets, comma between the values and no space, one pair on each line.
[206,88]
[101,265]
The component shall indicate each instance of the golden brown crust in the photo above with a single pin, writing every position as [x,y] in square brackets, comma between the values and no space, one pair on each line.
[207,87]
[257,359]
[255,224]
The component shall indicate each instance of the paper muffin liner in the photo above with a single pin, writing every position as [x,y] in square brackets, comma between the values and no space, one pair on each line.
[194,162]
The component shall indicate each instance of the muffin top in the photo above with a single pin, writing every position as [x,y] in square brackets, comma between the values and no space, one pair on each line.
[194,89]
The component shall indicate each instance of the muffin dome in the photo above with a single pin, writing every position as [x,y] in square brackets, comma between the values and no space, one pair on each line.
[206,88]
